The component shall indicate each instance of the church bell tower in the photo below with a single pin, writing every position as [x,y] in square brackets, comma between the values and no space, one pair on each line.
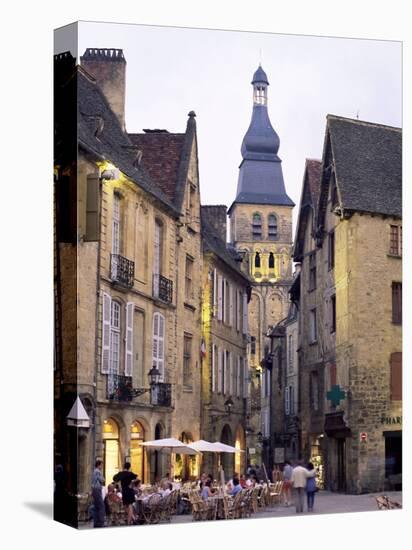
[261,230]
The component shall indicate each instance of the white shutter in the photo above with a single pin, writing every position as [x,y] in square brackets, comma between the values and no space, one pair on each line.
[263,386]
[214,308]
[161,350]
[287,400]
[231,374]
[230,305]
[213,369]
[106,308]
[219,370]
[224,372]
[128,364]
[225,300]
[292,400]
[219,298]
[245,328]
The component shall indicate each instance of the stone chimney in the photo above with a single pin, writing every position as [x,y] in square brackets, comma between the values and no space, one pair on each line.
[216,217]
[108,67]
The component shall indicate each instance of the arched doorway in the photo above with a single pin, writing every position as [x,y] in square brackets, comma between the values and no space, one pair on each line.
[137,458]
[111,458]
[186,466]
[227,459]
[240,443]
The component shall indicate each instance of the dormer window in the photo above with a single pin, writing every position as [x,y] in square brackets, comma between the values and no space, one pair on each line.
[257,226]
[272,227]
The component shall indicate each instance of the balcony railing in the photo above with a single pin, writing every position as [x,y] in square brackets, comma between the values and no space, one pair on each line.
[161,395]
[162,288]
[119,387]
[122,270]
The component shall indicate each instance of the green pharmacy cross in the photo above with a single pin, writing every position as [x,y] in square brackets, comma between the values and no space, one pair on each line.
[335,395]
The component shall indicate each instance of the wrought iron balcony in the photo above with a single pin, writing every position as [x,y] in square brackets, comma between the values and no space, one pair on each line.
[119,387]
[162,288]
[161,394]
[122,270]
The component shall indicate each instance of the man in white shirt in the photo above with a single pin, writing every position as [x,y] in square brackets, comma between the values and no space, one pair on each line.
[298,479]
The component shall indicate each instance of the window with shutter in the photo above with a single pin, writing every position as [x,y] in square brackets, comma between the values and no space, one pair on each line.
[224,372]
[245,377]
[213,368]
[231,374]
[114,337]
[238,306]
[244,325]
[219,298]
[238,378]
[158,343]
[287,400]
[107,305]
[116,225]
[92,208]
[396,376]
[214,308]
[128,364]
[292,400]
[397,303]
[231,289]
[219,370]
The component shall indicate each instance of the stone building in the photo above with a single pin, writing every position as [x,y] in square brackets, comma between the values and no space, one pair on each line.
[127,299]
[350,358]
[261,230]
[225,385]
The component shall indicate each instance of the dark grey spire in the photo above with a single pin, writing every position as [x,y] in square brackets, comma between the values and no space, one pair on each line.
[260,176]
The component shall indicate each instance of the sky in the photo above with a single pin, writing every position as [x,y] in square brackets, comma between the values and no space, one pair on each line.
[171,71]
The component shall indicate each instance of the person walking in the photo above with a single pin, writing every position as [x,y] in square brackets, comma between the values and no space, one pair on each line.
[128,496]
[287,483]
[311,488]
[298,479]
[97,486]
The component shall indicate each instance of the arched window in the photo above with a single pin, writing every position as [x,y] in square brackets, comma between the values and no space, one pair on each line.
[257,226]
[158,343]
[257,259]
[271,261]
[111,454]
[272,227]
[137,436]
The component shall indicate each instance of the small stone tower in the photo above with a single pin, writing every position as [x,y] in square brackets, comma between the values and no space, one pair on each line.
[261,225]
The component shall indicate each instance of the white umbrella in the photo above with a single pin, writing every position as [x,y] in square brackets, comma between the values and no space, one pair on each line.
[204,446]
[223,448]
[170,445]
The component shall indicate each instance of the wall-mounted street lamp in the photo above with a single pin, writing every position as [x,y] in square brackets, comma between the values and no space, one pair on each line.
[228,404]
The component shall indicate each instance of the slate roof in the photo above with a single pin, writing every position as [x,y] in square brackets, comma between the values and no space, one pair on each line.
[309,199]
[260,76]
[212,242]
[100,133]
[161,158]
[367,159]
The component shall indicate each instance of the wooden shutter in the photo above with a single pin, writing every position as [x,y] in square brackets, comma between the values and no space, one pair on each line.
[219,298]
[292,400]
[263,386]
[224,372]
[128,364]
[214,308]
[106,308]
[238,377]
[219,370]
[245,378]
[92,208]
[238,310]
[213,369]
[244,325]
[396,376]
[224,300]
